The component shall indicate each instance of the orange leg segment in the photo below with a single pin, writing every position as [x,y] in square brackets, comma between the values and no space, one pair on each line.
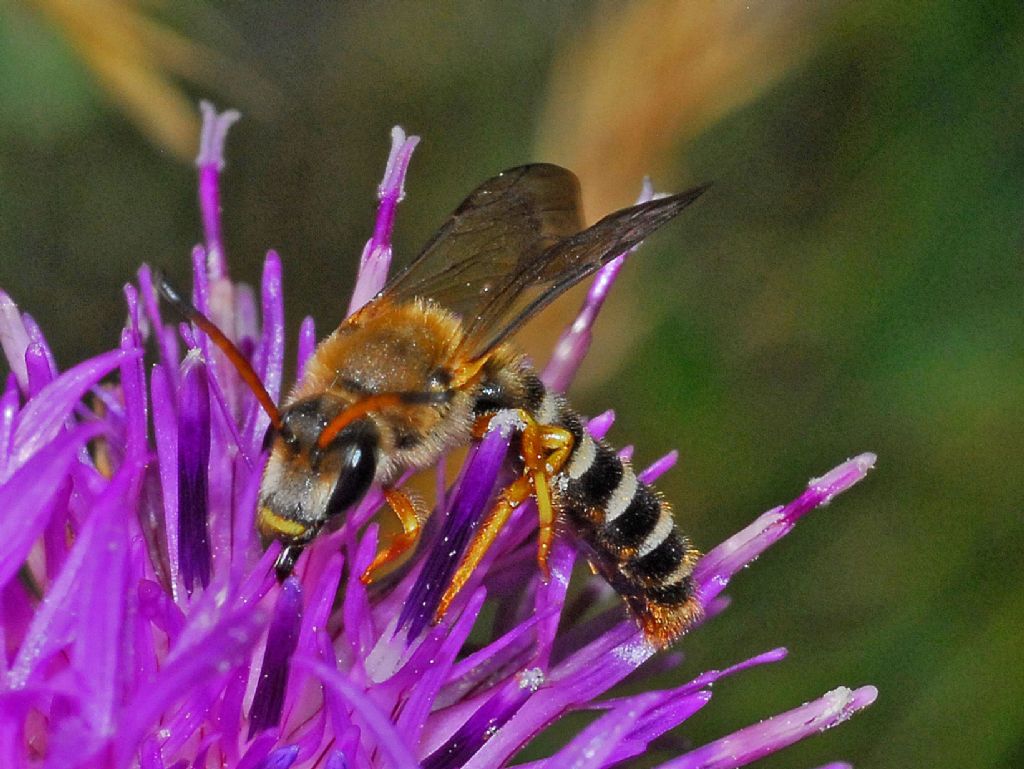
[481,425]
[557,445]
[545,450]
[511,497]
[411,521]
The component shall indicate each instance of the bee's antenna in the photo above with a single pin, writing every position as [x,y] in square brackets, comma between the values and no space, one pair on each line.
[355,411]
[245,370]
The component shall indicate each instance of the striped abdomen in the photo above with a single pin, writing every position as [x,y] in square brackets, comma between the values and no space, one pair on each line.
[627,526]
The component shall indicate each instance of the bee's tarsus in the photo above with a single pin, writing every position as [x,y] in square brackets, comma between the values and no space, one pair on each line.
[285,563]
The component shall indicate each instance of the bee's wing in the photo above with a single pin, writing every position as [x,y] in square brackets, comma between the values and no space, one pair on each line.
[514,245]
[507,222]
[565,264]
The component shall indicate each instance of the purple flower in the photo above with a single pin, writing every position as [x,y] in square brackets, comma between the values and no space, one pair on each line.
[141,624]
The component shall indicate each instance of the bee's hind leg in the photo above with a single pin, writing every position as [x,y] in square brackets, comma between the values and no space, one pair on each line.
[545,454]
[545,449]
[511,497]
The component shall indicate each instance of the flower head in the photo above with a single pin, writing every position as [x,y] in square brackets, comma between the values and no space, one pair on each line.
[142,624]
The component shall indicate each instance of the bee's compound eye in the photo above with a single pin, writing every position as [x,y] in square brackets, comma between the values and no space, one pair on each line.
[357,469]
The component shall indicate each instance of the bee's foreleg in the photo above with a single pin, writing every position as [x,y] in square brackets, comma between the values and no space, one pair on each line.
[511,497]
[285,563]
[411,517]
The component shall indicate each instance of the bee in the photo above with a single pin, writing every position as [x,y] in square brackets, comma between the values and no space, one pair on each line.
[424,365]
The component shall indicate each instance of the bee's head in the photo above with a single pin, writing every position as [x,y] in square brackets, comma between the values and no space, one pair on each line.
[307,483]
[323,459]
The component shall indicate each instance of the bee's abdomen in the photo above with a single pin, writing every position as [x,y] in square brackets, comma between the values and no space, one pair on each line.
[628,528]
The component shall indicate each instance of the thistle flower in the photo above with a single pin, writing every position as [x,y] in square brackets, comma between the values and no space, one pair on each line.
[142,625]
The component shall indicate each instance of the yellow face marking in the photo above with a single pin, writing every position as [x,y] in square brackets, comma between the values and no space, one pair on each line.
[273,525]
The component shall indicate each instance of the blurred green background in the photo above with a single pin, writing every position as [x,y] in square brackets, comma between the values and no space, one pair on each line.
[852,282]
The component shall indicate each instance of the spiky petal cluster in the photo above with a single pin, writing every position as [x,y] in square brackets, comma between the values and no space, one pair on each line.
[141,624]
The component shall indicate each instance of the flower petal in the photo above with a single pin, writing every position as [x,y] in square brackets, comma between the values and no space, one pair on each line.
[489,663]
[550,596]
[37,365]
[13,339]
[270,355]
[165,433]
[356,613]
[44,415]
[257,752]
[307,343]
[487,723]
[775,733]
[26,498]
[579,679]
[193,463]
[58,622]
[166,339]
[591,747]
[10,404]
[430,666]
[386,738]
[599,426]
[282,639]
[376,258]
[246,318]
[229,719]
[210,162]
[133,389]
[36,337]
[655,722]
[281,758]
[209,658]
[715,569]
[659,467]
[102,587]
[671,707]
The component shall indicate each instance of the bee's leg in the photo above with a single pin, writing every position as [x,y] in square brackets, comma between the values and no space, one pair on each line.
[556,446]
[285,563]
[411,519]
[481,425]
[511,497]
[545,450]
